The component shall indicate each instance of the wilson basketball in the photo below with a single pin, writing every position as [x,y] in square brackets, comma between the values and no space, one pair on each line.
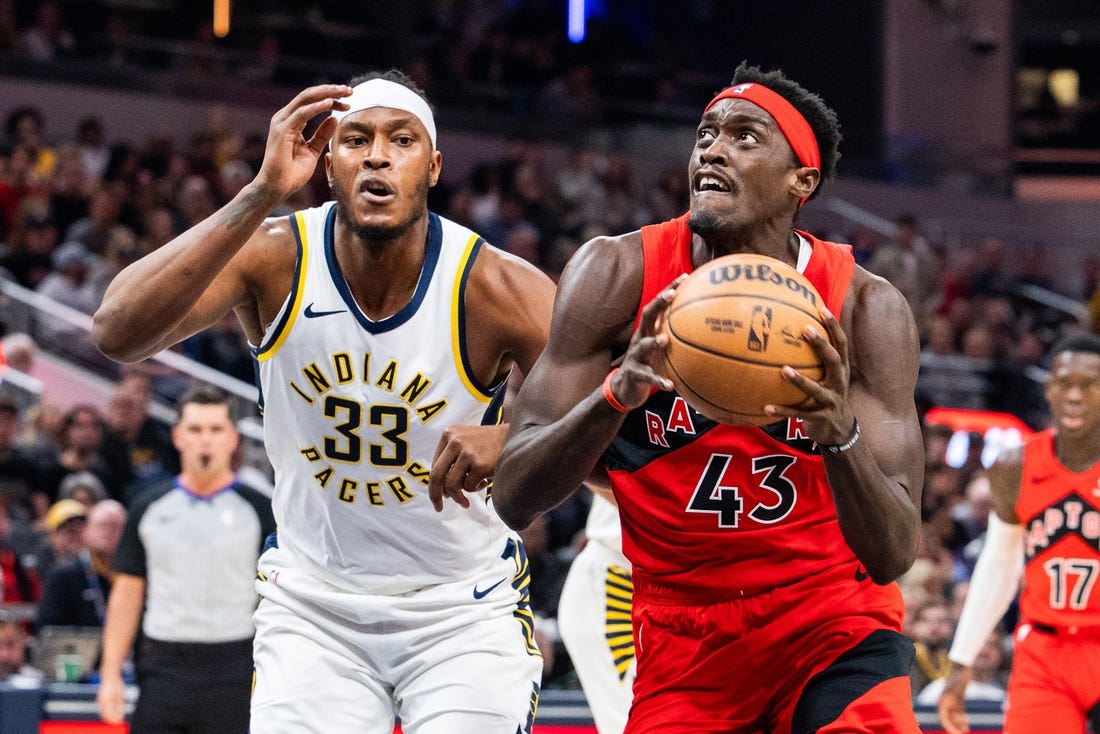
[732,326]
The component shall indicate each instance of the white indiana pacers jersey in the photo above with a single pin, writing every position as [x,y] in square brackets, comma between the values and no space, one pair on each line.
[353,412]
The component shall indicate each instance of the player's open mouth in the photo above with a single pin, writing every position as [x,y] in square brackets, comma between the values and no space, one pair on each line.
[375,189]
[711,182]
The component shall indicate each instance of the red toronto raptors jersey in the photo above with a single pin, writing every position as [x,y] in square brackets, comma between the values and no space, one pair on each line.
[724,511]
[1060,512]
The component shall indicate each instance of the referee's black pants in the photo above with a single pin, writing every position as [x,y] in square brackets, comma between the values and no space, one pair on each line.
[193,687]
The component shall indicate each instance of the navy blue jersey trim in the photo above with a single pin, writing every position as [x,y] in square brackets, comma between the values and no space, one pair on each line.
[494,414]
[431,258]
[460,297]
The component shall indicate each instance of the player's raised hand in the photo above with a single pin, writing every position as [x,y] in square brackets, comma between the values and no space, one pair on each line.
[290,159]
[465,460]
[642,368]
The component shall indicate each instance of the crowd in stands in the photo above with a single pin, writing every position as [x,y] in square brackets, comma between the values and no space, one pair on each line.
[73,212]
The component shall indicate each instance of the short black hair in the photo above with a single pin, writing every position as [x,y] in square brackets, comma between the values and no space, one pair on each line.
[398,77]
[1084,342]
[822,118]
[204,395]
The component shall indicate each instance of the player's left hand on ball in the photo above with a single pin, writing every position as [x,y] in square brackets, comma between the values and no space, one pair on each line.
[825,413]
[465,460]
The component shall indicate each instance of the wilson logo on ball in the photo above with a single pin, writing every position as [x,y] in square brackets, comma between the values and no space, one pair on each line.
[763,273]
[732,326]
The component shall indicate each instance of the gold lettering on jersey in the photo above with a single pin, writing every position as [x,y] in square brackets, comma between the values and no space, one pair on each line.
[415,388]
[316,378]
[341,363]
[412,390]
[323,476]
[348,488]
[427,412]
[385,380]
[399,489]
[419,472]
[374,495]
[298,390]
[311,453]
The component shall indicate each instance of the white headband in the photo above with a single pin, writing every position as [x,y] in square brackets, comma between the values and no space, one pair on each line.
[384,93]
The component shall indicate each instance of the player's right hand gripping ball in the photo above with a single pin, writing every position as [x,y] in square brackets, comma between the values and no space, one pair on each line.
[733,324]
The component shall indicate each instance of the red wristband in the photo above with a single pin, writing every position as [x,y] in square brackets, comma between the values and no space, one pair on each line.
[610,396]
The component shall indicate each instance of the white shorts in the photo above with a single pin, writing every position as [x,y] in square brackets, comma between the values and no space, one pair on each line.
[441,660]
[594,623]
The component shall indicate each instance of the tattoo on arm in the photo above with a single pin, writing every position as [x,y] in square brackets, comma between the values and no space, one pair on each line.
[234,215]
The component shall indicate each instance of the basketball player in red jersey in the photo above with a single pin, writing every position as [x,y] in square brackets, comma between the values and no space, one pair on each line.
[1045,526]
[764,558]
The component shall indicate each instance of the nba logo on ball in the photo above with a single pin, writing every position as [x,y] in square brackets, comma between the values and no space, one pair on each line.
[761,326]
[732,326]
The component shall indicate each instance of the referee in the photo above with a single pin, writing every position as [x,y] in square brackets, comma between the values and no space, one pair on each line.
[188,555]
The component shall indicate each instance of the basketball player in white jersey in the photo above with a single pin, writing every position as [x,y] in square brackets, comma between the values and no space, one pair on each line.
[384,336]
[594,617]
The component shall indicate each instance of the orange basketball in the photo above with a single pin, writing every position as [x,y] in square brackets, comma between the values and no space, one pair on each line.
[732,326]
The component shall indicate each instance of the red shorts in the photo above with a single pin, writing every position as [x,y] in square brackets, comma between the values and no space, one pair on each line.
[798,659]
[1055,681]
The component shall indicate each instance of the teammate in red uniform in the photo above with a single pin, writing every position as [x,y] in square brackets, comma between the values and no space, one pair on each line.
[1045,526]
[764,558]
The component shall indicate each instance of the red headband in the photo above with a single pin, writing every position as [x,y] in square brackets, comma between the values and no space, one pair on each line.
[791,122]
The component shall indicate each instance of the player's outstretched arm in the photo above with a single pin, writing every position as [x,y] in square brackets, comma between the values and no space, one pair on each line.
[191,282]
[561,422]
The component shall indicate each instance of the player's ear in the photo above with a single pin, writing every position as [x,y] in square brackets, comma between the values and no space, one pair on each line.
[806,180]
[436,167]
[328,165]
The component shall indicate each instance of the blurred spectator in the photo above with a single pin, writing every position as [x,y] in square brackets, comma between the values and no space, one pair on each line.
[29,258]
[70,188]
[669,199]
[64,525]
[131,430]
[864,242]
[71,284]
[94,230]
[909,263]
[75,591]
[49,36]
[19,472]
[990,277]
[20,587]
[14,670]
[972,514]
[83,449]
[84,487]
[932,629]
[223,347]
[988,675]
[91,141]
[26,133]
[19,350]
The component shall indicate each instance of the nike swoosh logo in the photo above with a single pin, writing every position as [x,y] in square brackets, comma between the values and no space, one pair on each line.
[311,314]
[479,593]
[861,575]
